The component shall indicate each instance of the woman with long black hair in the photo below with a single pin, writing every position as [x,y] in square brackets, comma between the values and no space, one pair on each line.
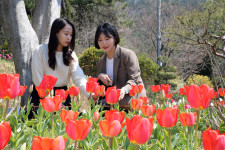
[57,58]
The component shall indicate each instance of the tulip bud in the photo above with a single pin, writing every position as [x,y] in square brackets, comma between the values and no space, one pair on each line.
[31,88]
[96,116]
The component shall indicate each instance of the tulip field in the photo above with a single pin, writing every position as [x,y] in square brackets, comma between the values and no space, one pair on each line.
[178,120]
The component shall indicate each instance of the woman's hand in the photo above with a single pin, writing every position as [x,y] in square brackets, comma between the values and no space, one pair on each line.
[122,93]
[105,78]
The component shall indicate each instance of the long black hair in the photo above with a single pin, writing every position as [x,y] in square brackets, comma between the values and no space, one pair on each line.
[57,25]
[107,29]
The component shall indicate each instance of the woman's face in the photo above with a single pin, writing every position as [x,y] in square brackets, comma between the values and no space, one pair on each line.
[64,36]
[106,43]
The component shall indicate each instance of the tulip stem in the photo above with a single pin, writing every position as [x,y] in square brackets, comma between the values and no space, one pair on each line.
[169,130]
[196,129]
[6,110]
[110,143]
[138,147]
[53,125]
[111,107]
[75,146]
[188,137]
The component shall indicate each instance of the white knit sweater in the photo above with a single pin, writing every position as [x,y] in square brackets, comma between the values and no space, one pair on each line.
[40,67]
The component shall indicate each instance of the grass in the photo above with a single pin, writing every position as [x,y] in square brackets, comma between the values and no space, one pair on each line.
[7,66]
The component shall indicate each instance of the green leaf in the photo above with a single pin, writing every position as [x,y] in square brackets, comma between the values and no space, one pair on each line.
[114,144]
[97,144]
[174,140]
[104,145]
[132,147]
[21,140]
[30,123]
[127,143]
[154,147]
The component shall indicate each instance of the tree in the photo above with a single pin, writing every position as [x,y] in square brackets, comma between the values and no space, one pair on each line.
[87,15]
[22,37]
[195,33]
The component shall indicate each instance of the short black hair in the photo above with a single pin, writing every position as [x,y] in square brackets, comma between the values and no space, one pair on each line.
[108,29]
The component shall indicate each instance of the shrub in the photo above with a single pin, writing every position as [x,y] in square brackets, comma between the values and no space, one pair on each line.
[166,75]
[199,80]
[148,69]
[88,60]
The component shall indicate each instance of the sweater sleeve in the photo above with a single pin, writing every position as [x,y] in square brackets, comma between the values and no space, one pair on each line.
[37,66]
[78,76]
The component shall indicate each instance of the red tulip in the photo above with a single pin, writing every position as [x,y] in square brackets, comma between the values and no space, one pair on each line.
[155,88]
[9,86]
[221,103]
[74,91]
[112,115]
[139,129]
[112,95]
[145,100]
[187,119]
[136,104]
[22,90]
[182,91]
[91,85]
[199,97]
[46,85]
[71,115]
[45,143]
[78,129]
[5,134]
[110,128]
[167,118]
[100,91]
[96,116]
[137,88]
[165,88]
[63,94]
[169,95]
[51,104]
[213,140]
[131,92]
[215,95]
[148,110]
[221,91]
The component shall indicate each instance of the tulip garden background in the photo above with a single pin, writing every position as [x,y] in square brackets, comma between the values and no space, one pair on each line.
[184,108]
[158,122]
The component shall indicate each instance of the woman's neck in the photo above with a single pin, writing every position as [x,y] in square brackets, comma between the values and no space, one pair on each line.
[59,48]
[111,53]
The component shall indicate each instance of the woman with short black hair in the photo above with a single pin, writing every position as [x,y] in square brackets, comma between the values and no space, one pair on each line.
[119,66]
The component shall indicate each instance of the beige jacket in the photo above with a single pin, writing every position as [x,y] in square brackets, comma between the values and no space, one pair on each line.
[126,71]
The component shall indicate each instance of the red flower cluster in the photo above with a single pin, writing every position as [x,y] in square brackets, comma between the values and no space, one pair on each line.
[46,85]
[136,89]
